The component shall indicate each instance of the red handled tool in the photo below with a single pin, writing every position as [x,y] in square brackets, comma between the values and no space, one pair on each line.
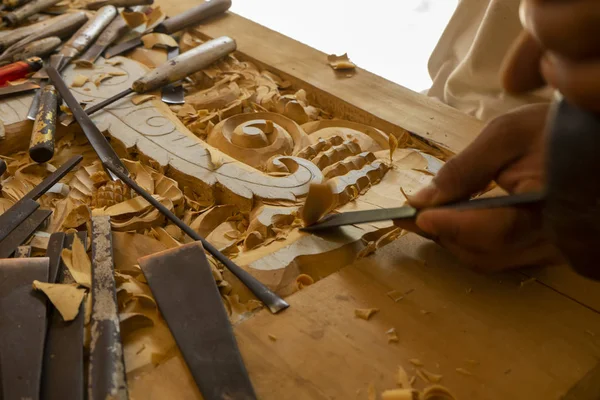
[19,70]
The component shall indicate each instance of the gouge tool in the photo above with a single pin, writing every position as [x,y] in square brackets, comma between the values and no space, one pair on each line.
[187,19]
[117,169]
[20,14]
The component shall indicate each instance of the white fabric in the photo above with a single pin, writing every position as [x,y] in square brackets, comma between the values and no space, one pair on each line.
[465,64]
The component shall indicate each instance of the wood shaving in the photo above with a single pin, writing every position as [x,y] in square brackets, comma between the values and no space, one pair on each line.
[395,295]
[392,336]
[117,73]
[430,376]
[303,280]
[464,371]
[142,98]
[425,312]
[319,201]
[272,337]
[400,394]
[79,80]
[78,263]
[527,282]
[131,322]
[412,380]
[402,378]
[155,17]
[340,62]
[369,249]
[66,298]
[393,142]
[64,108]
[217,158]
[113,61]
[152,40]
[102,77]
[365,313]
[416,362]
[134,18]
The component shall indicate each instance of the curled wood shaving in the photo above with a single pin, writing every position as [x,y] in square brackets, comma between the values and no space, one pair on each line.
[392,336]
[155,17]
[101,77]
[402,378]
[395,295]
[393,142]
[66,298]
[464,372]
[365,313]
[80,80]
[142,98]
[304,280]
[367,250]
[430,376]
[340,62]
[319,201]
[400,394]
[78,263]
[217,158]
[416,362]
[113,61]
[134,18]
[117,73]
[152,40]
[272,337]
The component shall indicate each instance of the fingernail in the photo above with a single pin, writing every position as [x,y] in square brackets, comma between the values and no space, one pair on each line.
[424,196]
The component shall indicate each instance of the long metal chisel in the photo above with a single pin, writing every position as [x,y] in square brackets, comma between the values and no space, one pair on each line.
[113,164]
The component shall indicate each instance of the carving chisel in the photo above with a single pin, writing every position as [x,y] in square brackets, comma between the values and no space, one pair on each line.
[23,252]
[23,208]
[21,233]
[408,212]
[113,164]
[80,41]
[64,340]
[41,148]
[182,283]
[22,88]
[174,70]
[118,3]
[106,378]
[22,13]
[22,327]
[19,70]
[179,22]
[173,93]
[117,28]
[38,48]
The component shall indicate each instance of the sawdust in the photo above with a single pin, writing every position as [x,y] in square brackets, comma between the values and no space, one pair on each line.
[66,298]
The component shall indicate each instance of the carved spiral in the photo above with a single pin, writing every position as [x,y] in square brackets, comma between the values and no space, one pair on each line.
[256,137]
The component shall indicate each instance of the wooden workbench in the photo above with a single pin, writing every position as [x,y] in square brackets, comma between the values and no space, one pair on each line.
[531,341]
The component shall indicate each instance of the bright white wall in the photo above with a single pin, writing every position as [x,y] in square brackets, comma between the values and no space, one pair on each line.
[391,38]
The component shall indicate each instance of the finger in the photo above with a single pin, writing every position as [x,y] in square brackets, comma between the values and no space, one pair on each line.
[570,28]
[520,71]
[577,81]
[411,226]
[501,142]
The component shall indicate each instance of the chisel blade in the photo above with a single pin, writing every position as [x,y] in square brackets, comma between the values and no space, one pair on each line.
[22,327]
[23,252]
[22,88]
[181,281]
[22,232]
[173,93]
[121,48]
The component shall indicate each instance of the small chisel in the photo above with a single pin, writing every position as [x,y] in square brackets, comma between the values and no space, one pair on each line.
[176,69]
[112,163]
[179,22]
[22,88]
[19,70]
[75,46]
[173,93]
[118,3]
[20,14]
[41,148]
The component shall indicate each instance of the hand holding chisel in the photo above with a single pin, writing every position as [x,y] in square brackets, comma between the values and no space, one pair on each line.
[176,69]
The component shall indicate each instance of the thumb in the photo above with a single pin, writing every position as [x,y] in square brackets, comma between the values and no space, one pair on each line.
[500,143]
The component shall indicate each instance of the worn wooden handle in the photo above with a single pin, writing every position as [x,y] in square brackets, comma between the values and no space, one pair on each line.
[14,3]
[193,16]
[91,30]
[118,3]
[41,148]
[185,64]
[20,14]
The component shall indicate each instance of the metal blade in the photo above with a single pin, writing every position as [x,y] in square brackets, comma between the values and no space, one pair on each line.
[22,232]
[23,252]
[182,284]
[407,212]
[53,178]
[99,143]
[173,93]
[22,88]
[122,47]
[22,327]
[91,55]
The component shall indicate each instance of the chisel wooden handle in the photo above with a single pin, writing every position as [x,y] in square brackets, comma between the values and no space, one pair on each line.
[118,3]
[39,48]
[193,16]
[41,148]
[14,3]
[88,32]
[185,64]
[20,14]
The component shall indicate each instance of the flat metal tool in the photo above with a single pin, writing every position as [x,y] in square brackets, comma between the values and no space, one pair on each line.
[106,378]
[43,135]
[407,212]
[17,89]
[174,70]
[23,252]
[173,93]
[117,3]
[23,232]
[63,369]
[186,19]
[23,208]
[114,166]
[183,286]
[22,327]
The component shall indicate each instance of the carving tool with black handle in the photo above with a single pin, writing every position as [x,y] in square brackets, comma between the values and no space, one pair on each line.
[106,378]
[64,340]
[22,13]
[117,29]
[22,327]
[182,283]
[19,70]
[118,3]
[80,41]
[113,164]
[187,19]
[23,208]
[176,69]
[41,148]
